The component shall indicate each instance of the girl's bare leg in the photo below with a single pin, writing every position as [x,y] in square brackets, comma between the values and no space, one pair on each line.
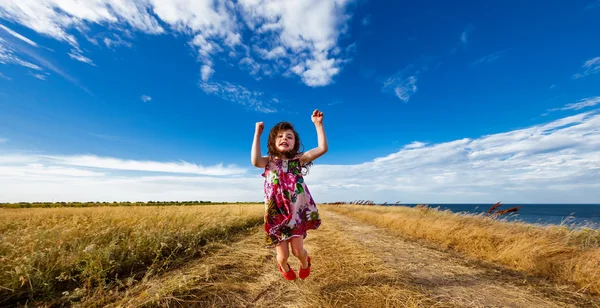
[299,251]
[283,253]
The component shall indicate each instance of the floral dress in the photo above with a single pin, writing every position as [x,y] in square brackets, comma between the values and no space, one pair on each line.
[289,208]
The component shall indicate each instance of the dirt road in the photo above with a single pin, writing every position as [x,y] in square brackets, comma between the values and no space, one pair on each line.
[354,265]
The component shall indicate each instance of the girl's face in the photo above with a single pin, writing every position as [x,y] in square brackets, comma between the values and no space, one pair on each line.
[285,141]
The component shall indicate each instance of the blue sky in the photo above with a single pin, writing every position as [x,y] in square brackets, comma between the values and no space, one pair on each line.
[427,101]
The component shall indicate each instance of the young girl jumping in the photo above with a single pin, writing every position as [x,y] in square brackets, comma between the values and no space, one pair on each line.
[289,208]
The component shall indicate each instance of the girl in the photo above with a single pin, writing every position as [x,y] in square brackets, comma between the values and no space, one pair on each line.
[289,208]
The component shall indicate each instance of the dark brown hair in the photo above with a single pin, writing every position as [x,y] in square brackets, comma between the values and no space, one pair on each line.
[298,148]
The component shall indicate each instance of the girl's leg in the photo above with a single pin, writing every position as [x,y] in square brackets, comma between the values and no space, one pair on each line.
[299,251]
[283,253]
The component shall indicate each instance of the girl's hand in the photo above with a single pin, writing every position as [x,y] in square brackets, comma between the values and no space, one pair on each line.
[317,117]
[260,126]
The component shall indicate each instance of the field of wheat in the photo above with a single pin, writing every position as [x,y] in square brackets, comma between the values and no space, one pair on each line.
[74,253]
[560,253]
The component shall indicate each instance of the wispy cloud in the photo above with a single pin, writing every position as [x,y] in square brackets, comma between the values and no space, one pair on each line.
[146,98]
[7,56]
[19,36]
[404,88]
[92,161]
[591,66]
[542,163]
[551,162]
[307,32]
[493,57]
[76,54]
[115,41]
[583,103]
[253,100]
[464,36]
[3,140]
[39,76]
[463,40]
[335,102]
[205,72]
[2,76]
[403,84]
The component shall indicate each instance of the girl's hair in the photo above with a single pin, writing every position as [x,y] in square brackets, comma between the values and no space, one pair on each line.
[298,146]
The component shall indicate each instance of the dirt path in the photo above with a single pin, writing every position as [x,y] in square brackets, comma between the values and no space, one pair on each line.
[354,265]
[454,280]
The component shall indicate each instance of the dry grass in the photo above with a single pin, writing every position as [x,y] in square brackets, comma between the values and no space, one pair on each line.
[344,274]
[558,253]
[212,256]
[82,252]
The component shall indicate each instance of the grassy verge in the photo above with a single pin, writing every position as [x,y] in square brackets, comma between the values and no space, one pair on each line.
[80,252]
[555,252]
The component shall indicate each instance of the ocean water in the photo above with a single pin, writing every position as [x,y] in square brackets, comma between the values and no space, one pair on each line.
[575,215]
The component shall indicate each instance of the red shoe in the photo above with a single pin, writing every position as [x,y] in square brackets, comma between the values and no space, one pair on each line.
[304,272]
[290,275]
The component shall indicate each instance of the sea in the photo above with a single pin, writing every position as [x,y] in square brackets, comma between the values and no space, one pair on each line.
[572,215]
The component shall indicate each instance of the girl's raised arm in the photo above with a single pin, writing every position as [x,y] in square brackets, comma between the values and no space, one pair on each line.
[255,156]
[308,156]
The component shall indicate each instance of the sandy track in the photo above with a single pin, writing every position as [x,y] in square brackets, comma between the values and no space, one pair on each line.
[354,265]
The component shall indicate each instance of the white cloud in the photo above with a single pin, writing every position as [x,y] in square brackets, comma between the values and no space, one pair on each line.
[39,76]
[306,31]
[555,162]
[7,56]
[300,34]
[415,145]
[19,36]
[150,166]
[403,87]
[583,103]
[253,100]
[2,76]
[206,71]
[146,98]
[591,66]
[76,54]
[115,41]
[55,17]
[250,65]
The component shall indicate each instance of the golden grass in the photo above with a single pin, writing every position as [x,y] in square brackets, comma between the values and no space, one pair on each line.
[555,252]
[79,252]
[212,256]
[344,274]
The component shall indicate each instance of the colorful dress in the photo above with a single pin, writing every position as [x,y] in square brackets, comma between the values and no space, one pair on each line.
[289,208]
